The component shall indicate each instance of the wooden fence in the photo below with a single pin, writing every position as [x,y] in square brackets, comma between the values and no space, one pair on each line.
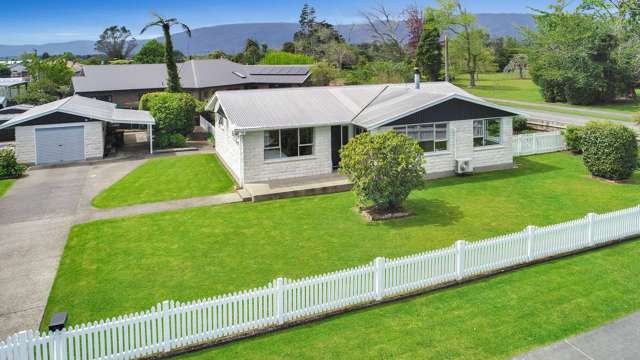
[538,143]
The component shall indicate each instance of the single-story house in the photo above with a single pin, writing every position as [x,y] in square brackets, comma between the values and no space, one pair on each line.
[69,129]
[18,70]
[10,88]
[264,135]
[7,114]
[125,84]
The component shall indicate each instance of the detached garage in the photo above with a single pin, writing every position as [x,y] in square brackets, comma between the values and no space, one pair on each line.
[70,129]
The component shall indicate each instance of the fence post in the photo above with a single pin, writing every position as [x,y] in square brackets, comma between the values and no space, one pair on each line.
[166,334]
[280,300]
[590,217]
[460,249]
[535,143]
[378,277]
[531,233]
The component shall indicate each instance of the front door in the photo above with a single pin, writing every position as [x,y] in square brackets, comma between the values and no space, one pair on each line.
[339,137]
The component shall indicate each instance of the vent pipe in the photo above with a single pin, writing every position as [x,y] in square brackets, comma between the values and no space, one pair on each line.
[416,77]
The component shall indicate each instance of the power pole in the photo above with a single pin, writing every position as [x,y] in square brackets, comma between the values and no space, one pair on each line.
[446,58]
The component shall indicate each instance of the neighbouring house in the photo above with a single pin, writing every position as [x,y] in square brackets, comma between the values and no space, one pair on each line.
[10,88]
[7,114]
[125,84]
[264,135]
[18,70]
[69,129]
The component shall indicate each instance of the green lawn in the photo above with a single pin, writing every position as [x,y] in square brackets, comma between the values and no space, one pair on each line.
[511,87]
[492,319]
[5,185]
[116,266]
[168,178]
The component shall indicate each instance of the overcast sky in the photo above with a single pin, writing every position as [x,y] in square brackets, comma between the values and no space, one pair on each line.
[37,22]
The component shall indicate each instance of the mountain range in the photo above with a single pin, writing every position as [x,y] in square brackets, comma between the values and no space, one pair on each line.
[231,38]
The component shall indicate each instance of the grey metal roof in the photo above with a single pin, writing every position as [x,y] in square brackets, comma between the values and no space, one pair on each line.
[13,81]
[85,107]
[194,74]
[10,112]
[368,106]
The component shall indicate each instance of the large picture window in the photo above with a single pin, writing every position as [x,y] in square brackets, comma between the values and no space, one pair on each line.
[288,143]
[431,137]
[487,132]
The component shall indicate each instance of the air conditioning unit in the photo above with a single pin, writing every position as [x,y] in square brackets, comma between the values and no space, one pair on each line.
[464,166]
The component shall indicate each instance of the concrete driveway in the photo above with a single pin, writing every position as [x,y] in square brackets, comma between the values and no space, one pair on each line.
[35,217]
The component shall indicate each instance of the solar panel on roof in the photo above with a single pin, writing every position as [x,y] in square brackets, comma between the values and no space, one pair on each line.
[278,70]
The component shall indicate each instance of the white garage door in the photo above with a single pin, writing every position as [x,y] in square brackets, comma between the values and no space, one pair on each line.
[59,144]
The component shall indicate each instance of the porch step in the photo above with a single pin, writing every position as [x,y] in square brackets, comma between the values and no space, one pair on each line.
[281,189]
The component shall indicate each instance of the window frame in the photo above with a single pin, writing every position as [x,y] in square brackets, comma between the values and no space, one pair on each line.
[434,124]
[279,147]
[484,132]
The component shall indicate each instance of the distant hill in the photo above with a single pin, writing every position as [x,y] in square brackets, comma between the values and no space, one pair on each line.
[230,38]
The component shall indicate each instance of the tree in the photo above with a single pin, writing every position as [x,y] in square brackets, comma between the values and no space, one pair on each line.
[386,30]
[217,54]
[384,168]
[339,54]
[576,57]
[414,21]
[313,34]
[152,52]
[4,71]
[289,47]
[50,79]
[114,42]
[519,63]
[429,52]
[173,81]
[173,112]
[252,53]
[504,48]
[468,47]
[322,73]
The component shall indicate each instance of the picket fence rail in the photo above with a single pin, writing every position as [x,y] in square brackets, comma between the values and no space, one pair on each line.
[174,325]
[538,143]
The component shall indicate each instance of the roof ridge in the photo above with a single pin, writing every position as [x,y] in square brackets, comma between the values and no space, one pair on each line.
[369,103]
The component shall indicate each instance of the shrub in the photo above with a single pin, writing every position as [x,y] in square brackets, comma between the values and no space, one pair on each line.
[9,166]
[573,138]
[174,112]
[167,140]
[323,73]
[520,124]
[610,150]
[383,168]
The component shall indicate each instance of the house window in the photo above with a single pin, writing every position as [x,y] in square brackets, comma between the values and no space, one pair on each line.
[220,118]
[432,137]
[487,132]
[288,143]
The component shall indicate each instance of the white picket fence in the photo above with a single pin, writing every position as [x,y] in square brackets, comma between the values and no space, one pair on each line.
[538,143]
[173,325]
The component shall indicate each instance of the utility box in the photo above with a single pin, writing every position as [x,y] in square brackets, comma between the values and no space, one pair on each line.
[57,321]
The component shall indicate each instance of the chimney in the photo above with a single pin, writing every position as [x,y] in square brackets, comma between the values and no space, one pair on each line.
[416,77]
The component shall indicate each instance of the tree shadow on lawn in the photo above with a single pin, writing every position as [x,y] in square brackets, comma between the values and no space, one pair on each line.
[427,212]
[524,167]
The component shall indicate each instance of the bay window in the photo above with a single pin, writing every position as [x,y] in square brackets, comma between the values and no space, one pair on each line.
[487,132]
[288,143]
[431,137]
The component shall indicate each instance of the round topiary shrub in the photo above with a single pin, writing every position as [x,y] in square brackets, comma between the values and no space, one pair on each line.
[609,150]
[573,138]
[9,166]
[384,168]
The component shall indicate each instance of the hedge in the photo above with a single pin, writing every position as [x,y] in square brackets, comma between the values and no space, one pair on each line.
[609,150]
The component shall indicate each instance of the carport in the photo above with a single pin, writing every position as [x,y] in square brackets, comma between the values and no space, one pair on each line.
[70,129]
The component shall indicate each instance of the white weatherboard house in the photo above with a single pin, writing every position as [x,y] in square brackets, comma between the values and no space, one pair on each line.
[264,135]
[69,129]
